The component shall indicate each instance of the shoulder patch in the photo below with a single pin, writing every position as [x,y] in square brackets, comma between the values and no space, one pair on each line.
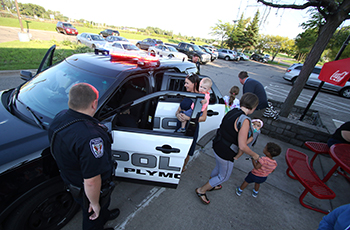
[96,146]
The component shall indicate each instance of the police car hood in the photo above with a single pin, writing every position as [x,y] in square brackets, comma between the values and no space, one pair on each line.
[18,139]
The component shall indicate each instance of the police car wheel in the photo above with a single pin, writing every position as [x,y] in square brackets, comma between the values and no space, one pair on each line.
[52,208]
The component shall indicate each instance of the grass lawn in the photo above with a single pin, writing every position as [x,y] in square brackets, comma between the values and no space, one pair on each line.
[28,55]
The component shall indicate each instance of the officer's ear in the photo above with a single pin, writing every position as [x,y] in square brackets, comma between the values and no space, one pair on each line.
[95,104]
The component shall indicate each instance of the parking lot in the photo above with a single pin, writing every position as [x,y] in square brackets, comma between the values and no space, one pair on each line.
[146,206]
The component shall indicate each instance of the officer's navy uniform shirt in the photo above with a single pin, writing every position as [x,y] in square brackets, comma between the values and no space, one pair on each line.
[253,86]
[82,150]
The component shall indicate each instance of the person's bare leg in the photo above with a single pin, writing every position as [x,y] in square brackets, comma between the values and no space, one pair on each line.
[256,187]
[244,185]
[185,163]
[203,190]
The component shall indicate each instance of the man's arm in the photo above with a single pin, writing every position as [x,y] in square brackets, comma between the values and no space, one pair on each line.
[92,188]
[346,135]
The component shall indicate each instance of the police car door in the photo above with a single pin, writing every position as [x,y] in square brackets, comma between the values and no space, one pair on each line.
[144,153]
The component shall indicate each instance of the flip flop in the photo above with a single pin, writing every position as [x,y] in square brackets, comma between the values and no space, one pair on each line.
[200,195]
[217,187]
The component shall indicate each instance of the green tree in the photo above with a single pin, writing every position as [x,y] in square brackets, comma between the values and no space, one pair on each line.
[251,34]
[237,36]
[336,43]
[222,30]
[276,45]
[334,12]
[30,9]
[304,42]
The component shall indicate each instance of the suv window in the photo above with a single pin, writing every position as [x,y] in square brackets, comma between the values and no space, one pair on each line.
[223,51]
[298,67]
[316,71]
[131,90]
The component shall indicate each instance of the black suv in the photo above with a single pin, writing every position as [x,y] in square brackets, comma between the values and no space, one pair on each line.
[108,32]
[138,100]
[148,42]
[257,57]
[190,49]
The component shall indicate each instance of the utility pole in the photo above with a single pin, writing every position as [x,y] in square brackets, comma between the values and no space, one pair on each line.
[19,17]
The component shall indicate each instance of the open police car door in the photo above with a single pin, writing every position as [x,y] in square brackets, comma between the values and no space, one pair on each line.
[143,150]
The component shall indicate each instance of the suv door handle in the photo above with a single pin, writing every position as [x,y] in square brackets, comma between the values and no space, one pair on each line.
[167,149]
[212,113]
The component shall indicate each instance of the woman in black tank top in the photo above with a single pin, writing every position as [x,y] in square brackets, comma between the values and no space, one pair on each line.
[227,136]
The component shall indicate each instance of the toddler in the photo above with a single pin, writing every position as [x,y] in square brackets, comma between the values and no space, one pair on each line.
[231,101]
[262,168]
[187,105]
[257,124]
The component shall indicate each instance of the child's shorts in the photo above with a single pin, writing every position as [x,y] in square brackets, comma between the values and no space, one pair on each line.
[256,179]
[187,112]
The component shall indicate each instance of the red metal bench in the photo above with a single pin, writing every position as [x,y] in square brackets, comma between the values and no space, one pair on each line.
[317,148]
[298,164]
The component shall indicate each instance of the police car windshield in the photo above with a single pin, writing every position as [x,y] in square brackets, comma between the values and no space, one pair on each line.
[47,93]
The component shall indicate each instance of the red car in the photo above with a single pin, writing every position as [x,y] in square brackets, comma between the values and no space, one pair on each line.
[66,28]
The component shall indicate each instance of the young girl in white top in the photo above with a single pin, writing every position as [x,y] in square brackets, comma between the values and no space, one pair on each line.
[231,101]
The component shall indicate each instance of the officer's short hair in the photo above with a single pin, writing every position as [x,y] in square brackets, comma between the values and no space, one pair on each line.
[81,96]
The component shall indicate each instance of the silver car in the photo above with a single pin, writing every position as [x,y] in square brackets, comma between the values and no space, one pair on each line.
[166,51]
[91,40]
[228,55]
[293,72]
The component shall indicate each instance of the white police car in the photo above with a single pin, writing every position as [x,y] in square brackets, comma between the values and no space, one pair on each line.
[138,100]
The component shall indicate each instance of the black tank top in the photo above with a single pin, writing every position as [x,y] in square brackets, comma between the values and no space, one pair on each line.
[228,135]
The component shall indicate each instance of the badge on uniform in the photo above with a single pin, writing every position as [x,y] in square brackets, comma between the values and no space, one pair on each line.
[96,146]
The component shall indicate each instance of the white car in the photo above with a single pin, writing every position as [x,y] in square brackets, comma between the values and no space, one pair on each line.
[242,56]
[294,70]
[166,51]
[91,40]
[121,47]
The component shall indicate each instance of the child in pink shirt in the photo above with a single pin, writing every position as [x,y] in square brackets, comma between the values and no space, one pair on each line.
[204,87]
[262,168]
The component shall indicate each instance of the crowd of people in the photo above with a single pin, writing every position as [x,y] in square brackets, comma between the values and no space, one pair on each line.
[81,145]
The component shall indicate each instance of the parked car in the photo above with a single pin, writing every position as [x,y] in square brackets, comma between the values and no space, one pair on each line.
[109,32]
[91,40]
[66,28]
[166,51]
[33,195]
[190,49]
[267,56]
[293,72]
[259,58]
[212,54]
[116,38]
[242,56]
[120,47]
[228,55]
[146,43]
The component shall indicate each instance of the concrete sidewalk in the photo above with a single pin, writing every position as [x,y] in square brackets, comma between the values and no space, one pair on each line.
[276,207]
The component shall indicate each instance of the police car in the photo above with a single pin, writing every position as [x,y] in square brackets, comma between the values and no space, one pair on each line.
[138,100]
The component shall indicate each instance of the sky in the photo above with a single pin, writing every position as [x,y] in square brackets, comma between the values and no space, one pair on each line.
[188,17]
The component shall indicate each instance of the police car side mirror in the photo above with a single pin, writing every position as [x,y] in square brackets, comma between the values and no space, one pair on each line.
[26,75]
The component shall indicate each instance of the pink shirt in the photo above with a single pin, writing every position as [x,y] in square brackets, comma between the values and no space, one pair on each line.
[206,97]
[267,166]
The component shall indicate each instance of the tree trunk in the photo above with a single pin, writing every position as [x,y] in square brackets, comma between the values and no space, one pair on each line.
[313,57]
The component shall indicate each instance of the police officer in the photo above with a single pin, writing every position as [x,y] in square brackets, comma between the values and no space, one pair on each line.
[196,60]
[82,150]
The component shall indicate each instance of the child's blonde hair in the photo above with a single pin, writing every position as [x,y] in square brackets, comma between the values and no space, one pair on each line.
[207,81]
[234,91]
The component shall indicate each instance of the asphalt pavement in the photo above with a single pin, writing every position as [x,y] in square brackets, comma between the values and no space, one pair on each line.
[276,207]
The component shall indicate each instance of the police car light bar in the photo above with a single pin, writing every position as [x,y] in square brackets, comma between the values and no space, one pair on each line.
[145,61]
